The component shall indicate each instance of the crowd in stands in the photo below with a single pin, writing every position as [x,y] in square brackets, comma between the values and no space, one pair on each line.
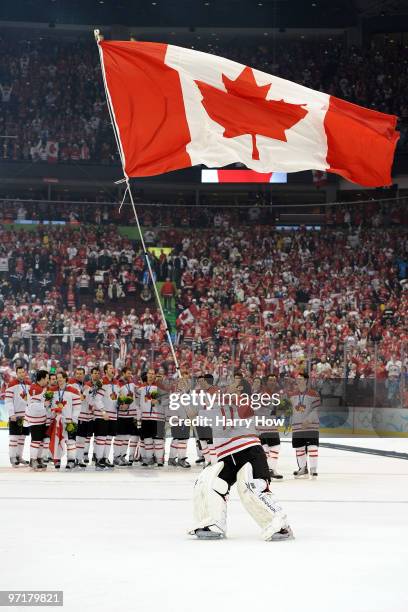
[251,298]
[52,102]
[333,299]
[53,107]
[184,214]
[42,210]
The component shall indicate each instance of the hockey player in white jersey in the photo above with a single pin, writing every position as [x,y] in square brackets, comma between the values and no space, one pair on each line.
[95,383]
[65,407]
[106,414]
[16,397]
[85,420]
[180,434]
[305,404]
[205,445]
[267,429]
[36,418]
[151,404]
[241,461]
[127,414]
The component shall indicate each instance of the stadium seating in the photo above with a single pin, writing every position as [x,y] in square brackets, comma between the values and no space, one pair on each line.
[53,104]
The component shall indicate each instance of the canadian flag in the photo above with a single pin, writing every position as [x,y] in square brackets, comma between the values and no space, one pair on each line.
[52,151]
[175,108]
[188,315]
[56,435]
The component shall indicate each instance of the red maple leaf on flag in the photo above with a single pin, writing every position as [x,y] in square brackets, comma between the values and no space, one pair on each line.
[243,109]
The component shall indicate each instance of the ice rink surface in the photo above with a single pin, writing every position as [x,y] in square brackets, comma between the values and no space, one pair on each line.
[117,541]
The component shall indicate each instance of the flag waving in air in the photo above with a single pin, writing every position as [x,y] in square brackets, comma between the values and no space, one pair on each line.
[175,108]
[188,315]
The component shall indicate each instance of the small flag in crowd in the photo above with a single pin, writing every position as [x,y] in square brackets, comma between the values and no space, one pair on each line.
[189,315]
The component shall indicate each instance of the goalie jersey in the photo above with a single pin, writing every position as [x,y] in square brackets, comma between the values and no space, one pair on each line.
[233,426]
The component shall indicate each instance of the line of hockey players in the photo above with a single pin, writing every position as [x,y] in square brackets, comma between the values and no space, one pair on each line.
[127,421]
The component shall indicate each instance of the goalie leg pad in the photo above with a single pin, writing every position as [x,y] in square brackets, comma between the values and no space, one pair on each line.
[261,504]
[210,504]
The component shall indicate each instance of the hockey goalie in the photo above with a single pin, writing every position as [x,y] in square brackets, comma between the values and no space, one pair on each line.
[241,460]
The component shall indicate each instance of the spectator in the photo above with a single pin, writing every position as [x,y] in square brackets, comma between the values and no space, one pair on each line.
[20,358]
[167,291]
[115,290]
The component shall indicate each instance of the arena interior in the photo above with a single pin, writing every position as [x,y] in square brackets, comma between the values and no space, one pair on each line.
[260,280]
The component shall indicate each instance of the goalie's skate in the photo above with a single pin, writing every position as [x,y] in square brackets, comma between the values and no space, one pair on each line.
[285,533]
[206,534]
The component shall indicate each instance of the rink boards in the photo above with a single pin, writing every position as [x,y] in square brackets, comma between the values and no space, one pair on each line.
[345,421]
